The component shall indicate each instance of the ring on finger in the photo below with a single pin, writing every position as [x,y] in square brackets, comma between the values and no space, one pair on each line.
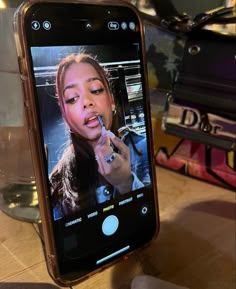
[109,159]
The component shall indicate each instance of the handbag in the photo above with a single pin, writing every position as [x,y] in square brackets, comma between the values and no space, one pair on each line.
[201,105]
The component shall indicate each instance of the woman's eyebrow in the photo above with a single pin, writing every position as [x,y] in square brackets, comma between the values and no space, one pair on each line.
[72,85]
[68,87]
[93,78]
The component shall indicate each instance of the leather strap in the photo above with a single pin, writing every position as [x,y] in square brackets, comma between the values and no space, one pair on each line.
[172,19]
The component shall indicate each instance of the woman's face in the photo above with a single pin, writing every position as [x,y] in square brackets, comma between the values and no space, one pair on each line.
[86,96]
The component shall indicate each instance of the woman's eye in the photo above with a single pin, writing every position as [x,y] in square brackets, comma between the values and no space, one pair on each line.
[72,100]
[97,91]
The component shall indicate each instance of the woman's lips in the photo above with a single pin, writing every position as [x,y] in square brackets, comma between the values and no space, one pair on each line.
[92,121]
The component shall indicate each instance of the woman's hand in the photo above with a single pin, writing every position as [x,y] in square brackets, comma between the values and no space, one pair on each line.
[114,166]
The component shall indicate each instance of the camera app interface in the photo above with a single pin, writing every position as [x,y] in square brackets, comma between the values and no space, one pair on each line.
[93,124]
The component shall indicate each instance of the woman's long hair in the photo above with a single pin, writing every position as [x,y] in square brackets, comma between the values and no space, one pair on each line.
[76,178]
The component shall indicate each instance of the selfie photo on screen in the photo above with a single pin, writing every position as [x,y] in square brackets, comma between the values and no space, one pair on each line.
[96,138]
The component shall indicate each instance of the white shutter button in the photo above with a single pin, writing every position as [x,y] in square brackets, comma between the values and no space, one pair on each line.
[110,225]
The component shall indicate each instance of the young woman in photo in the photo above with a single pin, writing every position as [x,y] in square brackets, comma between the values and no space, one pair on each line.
[97,165]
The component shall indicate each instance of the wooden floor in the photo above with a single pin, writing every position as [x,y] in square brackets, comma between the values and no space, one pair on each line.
[196,246]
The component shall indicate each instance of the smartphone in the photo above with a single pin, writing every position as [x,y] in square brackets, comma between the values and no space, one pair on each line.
[84,78]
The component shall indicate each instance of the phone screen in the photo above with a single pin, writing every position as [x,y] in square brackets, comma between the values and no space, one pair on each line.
[93,116]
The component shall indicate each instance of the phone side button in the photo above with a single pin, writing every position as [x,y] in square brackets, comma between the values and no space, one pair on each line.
[110,225]
[20,64]
[22,68]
